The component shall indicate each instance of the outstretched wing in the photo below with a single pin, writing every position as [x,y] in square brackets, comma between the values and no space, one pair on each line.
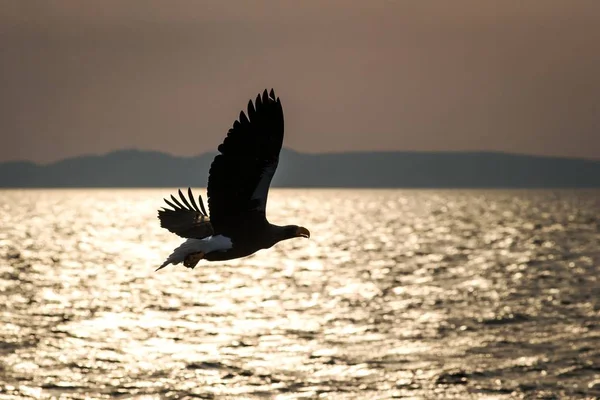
[239,178]
[186,220]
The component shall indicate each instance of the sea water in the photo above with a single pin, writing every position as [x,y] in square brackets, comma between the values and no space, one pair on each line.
[483,294]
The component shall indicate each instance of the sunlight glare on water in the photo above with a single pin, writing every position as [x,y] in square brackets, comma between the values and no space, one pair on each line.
[398,293]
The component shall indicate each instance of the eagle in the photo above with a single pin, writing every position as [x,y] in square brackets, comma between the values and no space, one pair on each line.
[237,191]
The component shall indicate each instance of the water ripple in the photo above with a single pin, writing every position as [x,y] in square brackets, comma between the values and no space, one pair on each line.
[399,293]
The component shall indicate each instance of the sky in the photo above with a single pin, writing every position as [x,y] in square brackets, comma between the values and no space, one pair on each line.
[88,77]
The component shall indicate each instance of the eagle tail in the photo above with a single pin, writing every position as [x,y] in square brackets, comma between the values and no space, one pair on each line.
[188,252]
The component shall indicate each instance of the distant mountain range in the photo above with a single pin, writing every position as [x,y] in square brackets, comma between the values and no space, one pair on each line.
[134,168]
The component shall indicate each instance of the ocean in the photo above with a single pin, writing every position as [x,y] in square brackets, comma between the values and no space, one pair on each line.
[421,294]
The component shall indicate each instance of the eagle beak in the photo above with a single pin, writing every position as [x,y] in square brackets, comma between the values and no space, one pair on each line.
[302,232]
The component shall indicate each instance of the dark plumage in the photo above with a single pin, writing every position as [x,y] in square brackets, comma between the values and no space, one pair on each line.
[238,187]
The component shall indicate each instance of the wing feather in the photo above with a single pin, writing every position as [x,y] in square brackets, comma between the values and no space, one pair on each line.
[241,174]
[202,205]
[179,205]
[184,200]
[194,201]
[171,204]
[186,221]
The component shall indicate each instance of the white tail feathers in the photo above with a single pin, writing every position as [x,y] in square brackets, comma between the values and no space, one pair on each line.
[190,246]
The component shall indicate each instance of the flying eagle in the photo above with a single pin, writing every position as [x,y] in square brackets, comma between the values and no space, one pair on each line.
[238,186]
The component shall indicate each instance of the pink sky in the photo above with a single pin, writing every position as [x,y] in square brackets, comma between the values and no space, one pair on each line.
[89,77]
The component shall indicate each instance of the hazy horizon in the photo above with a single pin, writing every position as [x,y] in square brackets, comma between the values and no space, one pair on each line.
[200,154]
[90,78]
[350,169]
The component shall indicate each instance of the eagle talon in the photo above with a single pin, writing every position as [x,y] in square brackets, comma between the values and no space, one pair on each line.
[192,259]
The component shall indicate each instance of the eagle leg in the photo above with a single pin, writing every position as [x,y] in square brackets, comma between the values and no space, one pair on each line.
[192,259]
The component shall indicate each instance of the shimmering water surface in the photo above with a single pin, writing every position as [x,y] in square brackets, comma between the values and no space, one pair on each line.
[418,294]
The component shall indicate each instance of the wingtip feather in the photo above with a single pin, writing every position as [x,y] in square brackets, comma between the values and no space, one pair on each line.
[171,204]
[243,119]
[251,110]
[177,202]
[185,200]
[202,206]
[191,196]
